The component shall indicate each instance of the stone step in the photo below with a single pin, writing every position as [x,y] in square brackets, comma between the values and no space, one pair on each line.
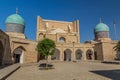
[7,71]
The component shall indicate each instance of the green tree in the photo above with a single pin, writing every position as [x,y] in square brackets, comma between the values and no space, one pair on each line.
[46,47]
[117,48]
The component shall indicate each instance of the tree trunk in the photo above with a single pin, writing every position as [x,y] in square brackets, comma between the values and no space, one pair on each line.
[46,62]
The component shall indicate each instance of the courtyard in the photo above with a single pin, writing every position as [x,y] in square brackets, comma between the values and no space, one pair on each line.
[68,71]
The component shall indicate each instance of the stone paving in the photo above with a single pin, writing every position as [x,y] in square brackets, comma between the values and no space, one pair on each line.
[69,71]
[5,71]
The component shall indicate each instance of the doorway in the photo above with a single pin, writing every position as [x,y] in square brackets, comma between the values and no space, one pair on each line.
[18,55]
[67,55]
[89,54]
[78,54]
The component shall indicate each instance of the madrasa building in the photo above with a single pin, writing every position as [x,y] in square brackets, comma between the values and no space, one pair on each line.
[16,48]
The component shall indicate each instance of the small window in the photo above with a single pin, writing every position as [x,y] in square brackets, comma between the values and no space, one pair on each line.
[61,39]
[41,34]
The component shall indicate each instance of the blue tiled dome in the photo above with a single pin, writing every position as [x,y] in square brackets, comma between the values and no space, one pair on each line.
[101,27]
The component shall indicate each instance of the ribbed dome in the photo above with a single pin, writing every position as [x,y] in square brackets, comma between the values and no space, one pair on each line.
[101,27]
[15,18]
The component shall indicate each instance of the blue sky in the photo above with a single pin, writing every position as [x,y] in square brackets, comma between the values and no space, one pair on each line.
[87,11]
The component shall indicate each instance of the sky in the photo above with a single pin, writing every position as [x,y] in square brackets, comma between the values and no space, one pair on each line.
[88,12]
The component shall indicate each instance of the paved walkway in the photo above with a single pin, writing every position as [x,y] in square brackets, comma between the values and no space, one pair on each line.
[6,71]
[69,71]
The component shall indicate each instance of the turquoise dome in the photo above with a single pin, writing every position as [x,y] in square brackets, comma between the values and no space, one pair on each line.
[15,18]
[101,27]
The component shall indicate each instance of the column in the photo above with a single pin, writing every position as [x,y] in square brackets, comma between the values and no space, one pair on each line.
[73,54]
[62,53]
[49,58]
[93,56]
[84,54]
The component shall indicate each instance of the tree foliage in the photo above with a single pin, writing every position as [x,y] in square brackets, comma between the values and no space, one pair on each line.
[117,47]
[46,47]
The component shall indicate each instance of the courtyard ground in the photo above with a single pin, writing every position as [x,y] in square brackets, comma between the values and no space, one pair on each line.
[69,71]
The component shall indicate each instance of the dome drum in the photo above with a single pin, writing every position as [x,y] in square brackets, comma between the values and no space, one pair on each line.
[103,34]
[13,27]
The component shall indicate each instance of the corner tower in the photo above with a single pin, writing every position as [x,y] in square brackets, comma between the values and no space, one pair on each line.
[15,25]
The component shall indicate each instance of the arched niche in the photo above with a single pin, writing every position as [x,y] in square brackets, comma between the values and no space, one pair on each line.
[18,54]
[67,55]
[78,54]
[56,55]
[89,54]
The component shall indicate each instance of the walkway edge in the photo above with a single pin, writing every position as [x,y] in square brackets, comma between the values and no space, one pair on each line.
[7,71]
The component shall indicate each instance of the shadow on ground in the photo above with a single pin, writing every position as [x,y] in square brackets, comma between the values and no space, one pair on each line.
[112,74]
[111,62]
[43,66]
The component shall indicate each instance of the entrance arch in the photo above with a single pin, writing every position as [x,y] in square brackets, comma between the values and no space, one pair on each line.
[18,55]
[78,54]
[95,55]
[1,52]
[67,55]
[117,55]
[56,55]
[89,54]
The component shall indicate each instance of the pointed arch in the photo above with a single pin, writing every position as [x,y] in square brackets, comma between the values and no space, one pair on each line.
[21,47]
[67,55]
[18,54]
[78,54]
[56,55]
[89,54]
[117,55]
